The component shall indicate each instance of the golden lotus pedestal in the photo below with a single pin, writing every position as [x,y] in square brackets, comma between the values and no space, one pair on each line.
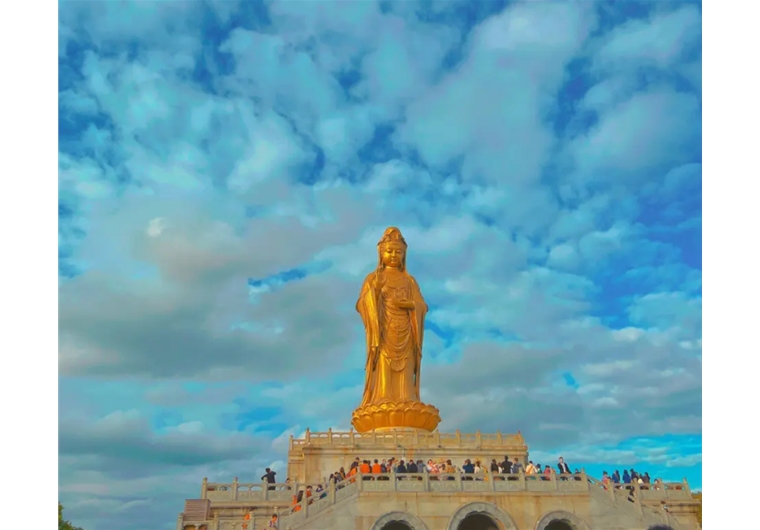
[405,415]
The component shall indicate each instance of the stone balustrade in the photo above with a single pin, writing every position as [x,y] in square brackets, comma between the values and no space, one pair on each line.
[419,483]
[247,492]
[416,439]
[422,482]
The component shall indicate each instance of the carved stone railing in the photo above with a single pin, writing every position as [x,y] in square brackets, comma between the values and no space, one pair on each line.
[633,495]
[658,491]
[427,482]
[418,439]
[247,492]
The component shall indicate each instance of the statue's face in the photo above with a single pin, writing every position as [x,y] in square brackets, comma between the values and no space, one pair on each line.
[393,255]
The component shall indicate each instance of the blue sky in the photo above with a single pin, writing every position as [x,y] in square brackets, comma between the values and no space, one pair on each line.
[226,169]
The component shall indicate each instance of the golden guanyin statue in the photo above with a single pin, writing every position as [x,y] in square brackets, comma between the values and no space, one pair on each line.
[393,312]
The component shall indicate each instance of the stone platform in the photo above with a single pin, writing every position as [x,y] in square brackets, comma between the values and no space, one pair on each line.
[314,457]
[433,502]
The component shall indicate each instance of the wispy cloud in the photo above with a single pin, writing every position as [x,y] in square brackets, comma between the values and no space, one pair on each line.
[226,169]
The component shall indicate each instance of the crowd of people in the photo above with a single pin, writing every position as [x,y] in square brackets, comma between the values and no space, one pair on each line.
[375,469]
[446,470]
[629,478]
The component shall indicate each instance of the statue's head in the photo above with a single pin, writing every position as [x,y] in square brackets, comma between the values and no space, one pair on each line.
[392,250]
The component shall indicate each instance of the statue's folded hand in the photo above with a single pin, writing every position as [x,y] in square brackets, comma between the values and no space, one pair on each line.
[405,304]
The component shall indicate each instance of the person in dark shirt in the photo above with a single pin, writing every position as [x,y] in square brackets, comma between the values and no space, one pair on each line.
[401,468]
[506,465]
[468,468]
[269,478]
[412,467]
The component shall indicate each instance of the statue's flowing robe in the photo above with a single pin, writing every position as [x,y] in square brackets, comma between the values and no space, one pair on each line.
[394,342]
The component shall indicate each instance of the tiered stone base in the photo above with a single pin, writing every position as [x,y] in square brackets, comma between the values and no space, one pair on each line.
[408,415]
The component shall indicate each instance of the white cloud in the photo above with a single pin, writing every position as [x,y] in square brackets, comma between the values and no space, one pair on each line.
[189,179]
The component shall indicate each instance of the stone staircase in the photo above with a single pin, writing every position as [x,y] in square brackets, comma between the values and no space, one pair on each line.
[197,510]
[627,505]
[343,493]
[625,511]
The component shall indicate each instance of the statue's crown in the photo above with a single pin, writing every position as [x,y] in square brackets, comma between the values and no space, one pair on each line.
[392,235]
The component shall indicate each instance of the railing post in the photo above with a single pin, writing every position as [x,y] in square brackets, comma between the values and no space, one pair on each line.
[307,436]
[359,480]
[426,480]
[290,443]
[264,490]
[499,438]
[305,505]
[235,489]
[329,436]
[331,493]
[351,436]
[204,487]
[179,521]
[492,478]
[478,442]
[686,486]
[437,437]
[553,478]
[458,480]
[521,479]
[637,497]
[215,523]
[458,437]
[394,479]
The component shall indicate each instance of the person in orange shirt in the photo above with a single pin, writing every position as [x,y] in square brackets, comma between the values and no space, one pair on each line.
[365,469]
[352,473]
[377,469]
[247,517]
[297,501]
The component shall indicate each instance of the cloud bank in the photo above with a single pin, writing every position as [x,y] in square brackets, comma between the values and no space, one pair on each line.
[226,169]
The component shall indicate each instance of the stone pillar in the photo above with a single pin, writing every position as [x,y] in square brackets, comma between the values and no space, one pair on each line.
[458,479]
[426,480]
[204,487]
[637,497]
[458,438]
[308,436]
[215,522]
[522,480]
[234,489]
[393,480]
[179,521]
[331,493]
[264,490]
